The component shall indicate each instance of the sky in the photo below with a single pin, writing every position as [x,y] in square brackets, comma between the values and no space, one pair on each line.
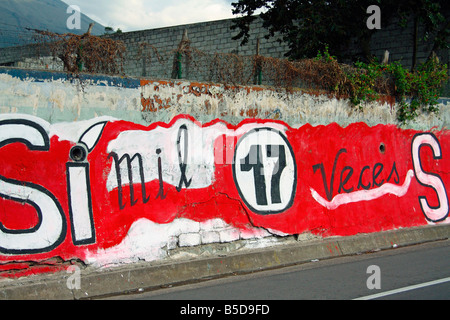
[132,15]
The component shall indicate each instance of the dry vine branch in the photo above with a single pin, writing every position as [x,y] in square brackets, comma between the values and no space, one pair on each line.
[85,52]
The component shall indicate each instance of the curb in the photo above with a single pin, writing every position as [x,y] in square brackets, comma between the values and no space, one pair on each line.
[144,277]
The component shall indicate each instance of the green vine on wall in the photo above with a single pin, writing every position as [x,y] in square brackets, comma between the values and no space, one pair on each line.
[415,91]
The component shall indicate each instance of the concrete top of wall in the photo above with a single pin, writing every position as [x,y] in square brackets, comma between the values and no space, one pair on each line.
[61,97]
[45,76]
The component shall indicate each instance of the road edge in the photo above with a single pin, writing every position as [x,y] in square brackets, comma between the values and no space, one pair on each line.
[147,276]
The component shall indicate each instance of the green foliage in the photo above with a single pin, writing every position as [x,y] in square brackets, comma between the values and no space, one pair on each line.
[415,91]
[325,56]
[307,25]
[364,83]
[422,87]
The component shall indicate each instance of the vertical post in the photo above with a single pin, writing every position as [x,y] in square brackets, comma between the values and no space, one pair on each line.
[258,75]
[177,61]
[80,48]
[415,40]
[79,59]
[179,58]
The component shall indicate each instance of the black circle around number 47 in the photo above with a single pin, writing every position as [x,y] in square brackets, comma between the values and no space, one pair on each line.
[237,162]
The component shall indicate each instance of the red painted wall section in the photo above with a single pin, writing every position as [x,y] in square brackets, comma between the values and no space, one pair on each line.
[63,199]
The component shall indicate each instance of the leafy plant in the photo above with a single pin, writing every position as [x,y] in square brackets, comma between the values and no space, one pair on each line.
[422,87]
[364,82]
[415,91]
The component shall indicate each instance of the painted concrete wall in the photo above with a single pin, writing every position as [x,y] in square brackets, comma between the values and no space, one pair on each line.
[117,170]
[56,97]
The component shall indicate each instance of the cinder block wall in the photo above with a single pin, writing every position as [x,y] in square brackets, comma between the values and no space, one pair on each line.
[208,37]
[216,37]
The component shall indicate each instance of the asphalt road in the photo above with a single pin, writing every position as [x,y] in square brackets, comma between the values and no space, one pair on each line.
[419,272]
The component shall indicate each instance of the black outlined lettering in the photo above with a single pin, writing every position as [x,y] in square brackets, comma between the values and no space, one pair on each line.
[428,179]
[50,230]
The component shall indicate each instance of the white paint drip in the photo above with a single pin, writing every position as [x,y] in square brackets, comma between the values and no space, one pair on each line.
[147,240]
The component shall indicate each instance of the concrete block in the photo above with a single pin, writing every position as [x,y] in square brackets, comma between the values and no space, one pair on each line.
[209,237]
[189,239]
[256,233]
[229,235]
[172,243]
[213,224]
[181,226]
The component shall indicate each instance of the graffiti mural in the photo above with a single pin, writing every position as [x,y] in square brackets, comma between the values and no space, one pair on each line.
[109,191]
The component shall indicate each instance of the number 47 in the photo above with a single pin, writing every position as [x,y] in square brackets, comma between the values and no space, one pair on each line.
[255,160]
